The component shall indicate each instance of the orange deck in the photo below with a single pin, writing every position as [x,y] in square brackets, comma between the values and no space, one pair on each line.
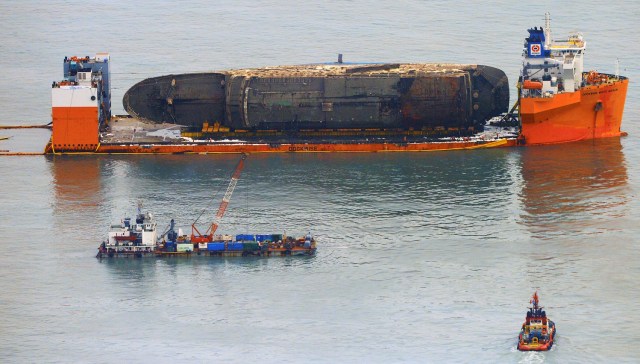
[213,148]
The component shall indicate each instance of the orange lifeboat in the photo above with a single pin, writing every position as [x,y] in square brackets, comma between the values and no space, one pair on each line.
[532,85]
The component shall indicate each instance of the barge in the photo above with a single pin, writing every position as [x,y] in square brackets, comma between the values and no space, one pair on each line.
[82,120]
[139,238]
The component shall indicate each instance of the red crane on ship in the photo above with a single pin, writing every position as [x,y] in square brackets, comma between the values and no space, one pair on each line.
[196,236]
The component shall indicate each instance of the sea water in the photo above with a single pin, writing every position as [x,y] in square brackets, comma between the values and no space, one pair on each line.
[422,257]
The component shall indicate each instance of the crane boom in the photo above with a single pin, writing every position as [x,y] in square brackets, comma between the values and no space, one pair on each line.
[208,235]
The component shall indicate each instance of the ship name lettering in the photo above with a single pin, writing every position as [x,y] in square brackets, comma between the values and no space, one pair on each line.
[305,148]
[600,92]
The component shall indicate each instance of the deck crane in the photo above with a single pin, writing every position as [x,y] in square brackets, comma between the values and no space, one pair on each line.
[196,236]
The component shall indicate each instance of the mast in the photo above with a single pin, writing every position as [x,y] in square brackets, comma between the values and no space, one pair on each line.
[547,30]
[208,235]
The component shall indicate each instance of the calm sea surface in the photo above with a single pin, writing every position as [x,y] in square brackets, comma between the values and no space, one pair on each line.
[423,257]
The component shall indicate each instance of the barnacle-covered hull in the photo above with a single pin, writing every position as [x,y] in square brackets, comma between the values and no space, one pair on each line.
[331,96]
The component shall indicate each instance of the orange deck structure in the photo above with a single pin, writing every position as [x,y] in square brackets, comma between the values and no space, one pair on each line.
[560,103]
[594,111]
[75,128]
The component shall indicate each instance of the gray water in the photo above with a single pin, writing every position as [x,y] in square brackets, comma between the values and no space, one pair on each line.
[423,257]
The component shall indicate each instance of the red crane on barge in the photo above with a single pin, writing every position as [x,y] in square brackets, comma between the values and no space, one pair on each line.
[207,237]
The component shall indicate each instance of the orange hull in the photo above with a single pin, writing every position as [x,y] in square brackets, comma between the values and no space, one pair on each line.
[214,148]
[593,112]
[75,128]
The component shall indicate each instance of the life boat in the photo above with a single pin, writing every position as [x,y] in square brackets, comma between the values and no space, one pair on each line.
[532,85]
[538,332]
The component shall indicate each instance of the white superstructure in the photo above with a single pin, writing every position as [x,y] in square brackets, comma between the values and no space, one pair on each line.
[130,236]
[556,64]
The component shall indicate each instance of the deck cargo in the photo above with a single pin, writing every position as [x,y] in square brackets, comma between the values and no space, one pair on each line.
[215,247]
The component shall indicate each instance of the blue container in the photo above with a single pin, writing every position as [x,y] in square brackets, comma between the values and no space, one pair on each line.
[245,237]
[235,246]
[215,247]
[170,246]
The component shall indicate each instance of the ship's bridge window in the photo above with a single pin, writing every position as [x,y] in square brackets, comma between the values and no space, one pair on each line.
[83,78]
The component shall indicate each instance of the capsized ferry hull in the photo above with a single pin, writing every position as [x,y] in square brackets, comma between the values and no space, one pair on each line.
[326,96]
[595,111]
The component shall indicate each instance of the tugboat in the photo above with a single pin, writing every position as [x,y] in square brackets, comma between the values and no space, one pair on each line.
[537,331]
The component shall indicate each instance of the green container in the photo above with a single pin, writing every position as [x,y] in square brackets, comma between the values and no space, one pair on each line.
[184,247]
[251,247]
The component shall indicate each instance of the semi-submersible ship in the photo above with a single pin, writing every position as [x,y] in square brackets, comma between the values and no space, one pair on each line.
[342,107]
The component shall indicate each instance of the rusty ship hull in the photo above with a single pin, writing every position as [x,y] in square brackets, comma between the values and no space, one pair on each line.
[326,96]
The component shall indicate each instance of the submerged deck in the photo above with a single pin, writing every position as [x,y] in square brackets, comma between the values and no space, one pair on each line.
[131,135]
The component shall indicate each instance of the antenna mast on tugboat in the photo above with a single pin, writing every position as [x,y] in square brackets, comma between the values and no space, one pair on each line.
[196,236]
